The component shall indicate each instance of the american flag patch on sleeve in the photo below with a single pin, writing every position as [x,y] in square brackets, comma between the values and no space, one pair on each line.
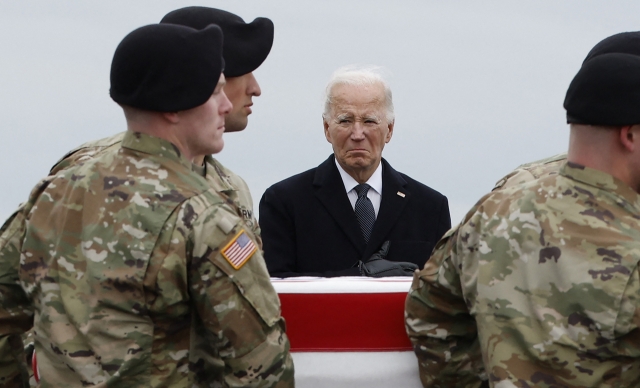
[239,250]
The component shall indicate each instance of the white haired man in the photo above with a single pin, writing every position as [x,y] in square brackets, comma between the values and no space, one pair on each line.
[354,214]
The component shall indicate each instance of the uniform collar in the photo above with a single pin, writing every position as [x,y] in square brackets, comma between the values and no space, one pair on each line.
[154,146]
[216,169]
[601,180]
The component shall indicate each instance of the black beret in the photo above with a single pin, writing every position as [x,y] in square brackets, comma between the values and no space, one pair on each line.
[246,46]
[624,43]
[606,91]
[166,68]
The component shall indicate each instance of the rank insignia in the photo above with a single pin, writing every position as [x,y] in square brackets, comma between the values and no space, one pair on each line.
[239,250]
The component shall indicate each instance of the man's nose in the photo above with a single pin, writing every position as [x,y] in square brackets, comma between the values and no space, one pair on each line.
[357,132]
[253,88]
[226,105]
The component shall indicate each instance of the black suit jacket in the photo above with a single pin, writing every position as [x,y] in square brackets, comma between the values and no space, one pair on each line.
[310,229]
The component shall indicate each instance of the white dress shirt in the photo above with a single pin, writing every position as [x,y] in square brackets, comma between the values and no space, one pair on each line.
[375,192]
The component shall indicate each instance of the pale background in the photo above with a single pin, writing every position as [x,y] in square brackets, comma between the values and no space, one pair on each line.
[478,86]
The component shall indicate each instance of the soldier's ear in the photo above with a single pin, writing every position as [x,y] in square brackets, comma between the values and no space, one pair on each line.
[172,117]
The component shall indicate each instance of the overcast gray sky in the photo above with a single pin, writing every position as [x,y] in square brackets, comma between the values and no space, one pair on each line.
[478,86]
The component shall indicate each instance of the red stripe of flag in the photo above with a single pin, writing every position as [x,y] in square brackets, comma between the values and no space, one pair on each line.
[345,322]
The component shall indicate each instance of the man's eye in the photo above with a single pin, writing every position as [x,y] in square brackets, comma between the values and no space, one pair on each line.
[343,121]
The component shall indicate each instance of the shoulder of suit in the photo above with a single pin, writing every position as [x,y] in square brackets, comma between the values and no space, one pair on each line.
[411,184]
[303,178]
[419,188]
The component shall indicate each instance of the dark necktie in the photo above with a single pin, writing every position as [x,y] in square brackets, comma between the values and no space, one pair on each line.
[364,211]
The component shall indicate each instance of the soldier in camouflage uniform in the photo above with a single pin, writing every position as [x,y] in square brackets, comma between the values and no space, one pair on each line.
[626,43]
[138,272]
[246,46]
[539,285]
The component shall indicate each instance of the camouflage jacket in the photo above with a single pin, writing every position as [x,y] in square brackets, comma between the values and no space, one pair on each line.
[220,178]
[531,171]
[538,287]
[140,274]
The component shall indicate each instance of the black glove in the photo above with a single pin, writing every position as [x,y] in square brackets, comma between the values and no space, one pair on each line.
[378,267]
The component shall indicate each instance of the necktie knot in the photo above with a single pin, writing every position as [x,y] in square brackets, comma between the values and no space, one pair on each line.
[362,190]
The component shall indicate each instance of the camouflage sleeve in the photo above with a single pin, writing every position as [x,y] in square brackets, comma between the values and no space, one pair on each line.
[514,178]
[16,313]
[85,152]
[13,314]
[72,158]
[245,198]
[531,171]
[238,306]
[439,325]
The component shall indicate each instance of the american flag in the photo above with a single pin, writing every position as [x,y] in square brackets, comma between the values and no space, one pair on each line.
[239,250]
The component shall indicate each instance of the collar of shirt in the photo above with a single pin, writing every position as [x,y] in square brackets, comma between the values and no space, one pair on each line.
[154,146]
[603,181]
[216,176]
[200,170]
[375,181]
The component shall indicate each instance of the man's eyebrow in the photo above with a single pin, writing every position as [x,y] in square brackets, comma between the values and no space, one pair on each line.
[344,116]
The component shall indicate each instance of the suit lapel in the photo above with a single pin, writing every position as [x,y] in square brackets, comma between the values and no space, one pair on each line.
[329,189]
[391,207]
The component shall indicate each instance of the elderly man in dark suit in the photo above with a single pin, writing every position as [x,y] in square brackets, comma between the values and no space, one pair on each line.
[354,214]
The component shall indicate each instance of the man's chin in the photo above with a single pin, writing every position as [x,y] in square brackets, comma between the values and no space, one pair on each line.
[358,163]
[235,124]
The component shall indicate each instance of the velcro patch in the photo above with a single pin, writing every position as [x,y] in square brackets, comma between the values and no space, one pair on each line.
[225,225]
[239,250]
